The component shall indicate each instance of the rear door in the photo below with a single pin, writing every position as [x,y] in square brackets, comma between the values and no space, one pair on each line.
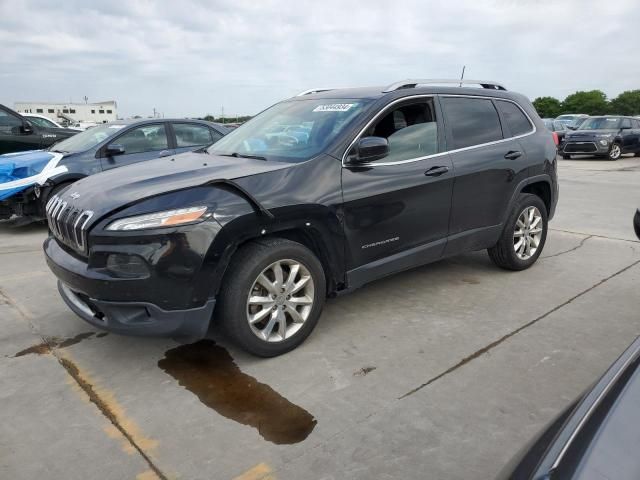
[396,209]
[488,165]
[140,143]
[13,137]
[191,136]
[630,134]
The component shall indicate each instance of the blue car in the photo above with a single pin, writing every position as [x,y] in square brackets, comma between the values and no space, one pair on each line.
[28,179]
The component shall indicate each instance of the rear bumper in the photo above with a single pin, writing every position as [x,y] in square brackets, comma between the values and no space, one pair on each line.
[139,318]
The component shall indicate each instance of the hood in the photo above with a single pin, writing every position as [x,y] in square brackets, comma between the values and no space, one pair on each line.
[106,191]
[591,133]
[20,170]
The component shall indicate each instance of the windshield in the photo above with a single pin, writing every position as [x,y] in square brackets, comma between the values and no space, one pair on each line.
[566,117]
[87,139]
[42,122]
[601,123]
[291,131]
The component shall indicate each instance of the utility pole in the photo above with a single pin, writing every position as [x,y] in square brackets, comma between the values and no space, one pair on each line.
[86,99]
[222,114]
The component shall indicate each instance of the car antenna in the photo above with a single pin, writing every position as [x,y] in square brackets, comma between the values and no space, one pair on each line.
[462,76]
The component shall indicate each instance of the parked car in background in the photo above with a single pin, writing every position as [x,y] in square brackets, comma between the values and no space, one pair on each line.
[261,227]
[18,133]
[28,179]
[607,136]
[572,120]
[597,437]
[46,122]
[556,126]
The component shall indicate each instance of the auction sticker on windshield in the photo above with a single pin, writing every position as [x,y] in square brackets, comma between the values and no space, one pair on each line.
[334,107]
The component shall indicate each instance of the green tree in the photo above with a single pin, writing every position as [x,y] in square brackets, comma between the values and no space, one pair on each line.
[627,103]
[593,102]
[548,107]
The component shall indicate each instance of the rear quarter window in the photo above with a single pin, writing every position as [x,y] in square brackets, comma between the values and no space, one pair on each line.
[472,121]
[517,122]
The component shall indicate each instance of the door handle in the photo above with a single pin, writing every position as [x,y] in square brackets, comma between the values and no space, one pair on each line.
[512,154]
[436,171]
[165,153]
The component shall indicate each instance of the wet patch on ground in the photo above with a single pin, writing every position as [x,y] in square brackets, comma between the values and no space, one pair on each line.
[208,371]
[50,343]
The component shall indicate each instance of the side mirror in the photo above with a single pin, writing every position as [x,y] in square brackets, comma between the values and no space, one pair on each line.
[369,149]
[113,150]
[625,127]
[27,128]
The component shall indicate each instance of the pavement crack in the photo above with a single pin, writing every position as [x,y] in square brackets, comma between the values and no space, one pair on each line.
[104,408]
[594,235]
[52,346]
[502,339]
[580,245]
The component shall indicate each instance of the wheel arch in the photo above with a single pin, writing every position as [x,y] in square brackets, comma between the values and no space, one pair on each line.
[539,185]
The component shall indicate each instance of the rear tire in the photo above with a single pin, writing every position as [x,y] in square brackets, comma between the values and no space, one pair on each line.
[261,301]
[527,223]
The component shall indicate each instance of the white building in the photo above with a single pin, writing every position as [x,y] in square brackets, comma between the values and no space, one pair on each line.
[100,112]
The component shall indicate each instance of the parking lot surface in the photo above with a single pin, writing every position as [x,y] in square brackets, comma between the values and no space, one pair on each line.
[442,372]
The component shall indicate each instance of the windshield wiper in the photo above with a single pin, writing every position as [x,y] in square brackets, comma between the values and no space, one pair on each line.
[59,151]
[242,155]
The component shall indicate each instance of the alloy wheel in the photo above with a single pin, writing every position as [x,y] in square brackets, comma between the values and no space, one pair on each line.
[615,151]
[528,233]
[280,300]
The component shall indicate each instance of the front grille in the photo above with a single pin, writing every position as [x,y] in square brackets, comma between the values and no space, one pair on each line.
[580,147]
[68,223]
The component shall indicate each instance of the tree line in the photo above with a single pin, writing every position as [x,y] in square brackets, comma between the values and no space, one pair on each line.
[240,119]
[593,102]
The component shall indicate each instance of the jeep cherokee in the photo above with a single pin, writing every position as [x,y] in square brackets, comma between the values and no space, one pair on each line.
[269,221]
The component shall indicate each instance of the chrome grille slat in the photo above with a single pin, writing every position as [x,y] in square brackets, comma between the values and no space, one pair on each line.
[68,223]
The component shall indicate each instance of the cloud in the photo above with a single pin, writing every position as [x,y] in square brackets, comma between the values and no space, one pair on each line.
[192,57]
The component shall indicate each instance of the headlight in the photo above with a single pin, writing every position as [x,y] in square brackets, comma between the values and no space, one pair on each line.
[168,218]
[603,142]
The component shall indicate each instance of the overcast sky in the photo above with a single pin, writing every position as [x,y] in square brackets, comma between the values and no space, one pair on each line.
[191,57]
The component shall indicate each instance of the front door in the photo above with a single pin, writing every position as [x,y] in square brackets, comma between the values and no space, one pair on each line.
[396,209]
[141,143]
[13,136]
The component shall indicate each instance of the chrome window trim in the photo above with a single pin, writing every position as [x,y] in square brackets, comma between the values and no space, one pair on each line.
[439,154]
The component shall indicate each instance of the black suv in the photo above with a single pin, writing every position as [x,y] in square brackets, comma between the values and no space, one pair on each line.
[269,221]
[18,134]
[609,136]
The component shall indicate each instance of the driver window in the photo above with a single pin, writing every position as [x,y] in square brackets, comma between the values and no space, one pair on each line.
[411,130]
[9,123]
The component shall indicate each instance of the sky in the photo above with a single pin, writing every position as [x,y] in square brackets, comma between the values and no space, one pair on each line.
[194,57]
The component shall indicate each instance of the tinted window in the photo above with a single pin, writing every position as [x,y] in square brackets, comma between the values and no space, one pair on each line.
[411,131]
[190,135]
[8,122]
[216,135]
[473,121]
[515,119]
[143,139]
[636,124]
[625,123]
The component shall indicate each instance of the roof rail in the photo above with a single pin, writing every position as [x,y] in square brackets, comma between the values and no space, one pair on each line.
[313,90]
[413,83]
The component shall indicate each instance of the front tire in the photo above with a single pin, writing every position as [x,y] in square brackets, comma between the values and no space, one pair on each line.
[524,234]
[272,297]
[615,152]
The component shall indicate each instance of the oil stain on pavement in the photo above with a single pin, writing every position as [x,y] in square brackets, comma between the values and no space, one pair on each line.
[209,372]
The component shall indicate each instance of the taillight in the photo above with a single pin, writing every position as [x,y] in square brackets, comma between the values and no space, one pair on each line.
[556,140]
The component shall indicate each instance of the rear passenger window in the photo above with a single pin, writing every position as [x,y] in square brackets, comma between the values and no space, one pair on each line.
[472,121]
[516,120]
[411,130]
[191,135]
